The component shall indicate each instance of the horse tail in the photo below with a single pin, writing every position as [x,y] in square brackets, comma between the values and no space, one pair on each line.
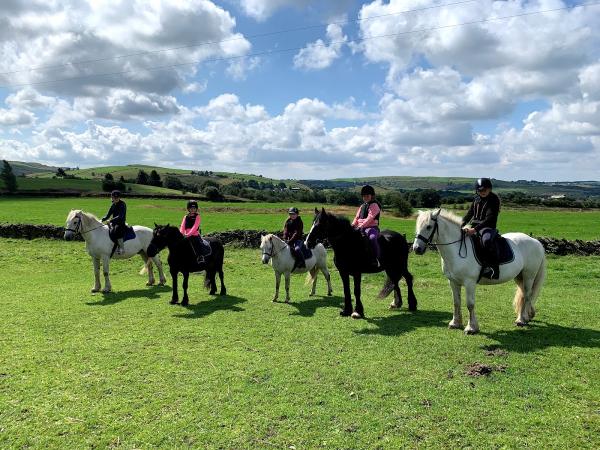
[387,288]
[311,275]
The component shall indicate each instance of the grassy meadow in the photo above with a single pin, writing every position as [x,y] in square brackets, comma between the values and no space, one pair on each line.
[568,224]
[129,370]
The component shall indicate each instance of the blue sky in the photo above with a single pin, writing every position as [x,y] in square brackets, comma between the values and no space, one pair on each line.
[512,98]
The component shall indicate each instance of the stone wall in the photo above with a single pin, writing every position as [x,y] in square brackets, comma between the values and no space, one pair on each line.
[251,238]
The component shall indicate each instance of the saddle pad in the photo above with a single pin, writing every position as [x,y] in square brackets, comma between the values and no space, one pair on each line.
[306,252]
[505,252]
[129,234]
[206,249]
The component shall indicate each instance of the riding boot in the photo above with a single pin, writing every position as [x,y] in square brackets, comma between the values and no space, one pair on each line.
[196,244]
[120,246]
[300,263]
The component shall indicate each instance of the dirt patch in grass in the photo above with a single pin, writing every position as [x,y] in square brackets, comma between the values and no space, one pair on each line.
[479,369]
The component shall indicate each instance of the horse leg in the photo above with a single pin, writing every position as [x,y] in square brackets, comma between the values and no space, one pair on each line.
[105,269]
[148,264]
[161,274]
[223,290]
[472,327]
[456,321]
[186,300]
[313,273]
[359,312]
[277,282]
[97,286]
[328,279]
[347,298]
[287,286]
[175,296]
[526,287]
[213,284]
[412,299]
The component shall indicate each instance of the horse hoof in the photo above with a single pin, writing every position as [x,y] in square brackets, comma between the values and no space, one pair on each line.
[471,331]
[94,290]
[356,315]
[287,301]
[345,313]
[162,283]
[185,303]
[329,294]
[394,306]
[106,291]
[520,323]
[173,302]
[150,284]
[455,326]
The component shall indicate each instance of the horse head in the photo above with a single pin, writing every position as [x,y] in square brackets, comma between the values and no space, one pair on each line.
[162,236]
[266,247]
[427,226]
[74,224]
[319,228]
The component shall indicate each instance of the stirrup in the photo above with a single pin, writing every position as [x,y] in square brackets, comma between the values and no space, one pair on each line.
[488,272]
[200,259]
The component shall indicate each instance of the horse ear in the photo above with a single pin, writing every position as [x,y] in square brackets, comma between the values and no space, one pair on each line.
[436,214]
[323,210]
[155,225]
[316,210]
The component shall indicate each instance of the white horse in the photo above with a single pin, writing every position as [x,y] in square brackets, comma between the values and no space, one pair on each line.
[276,250]
[99,246]
[528,269]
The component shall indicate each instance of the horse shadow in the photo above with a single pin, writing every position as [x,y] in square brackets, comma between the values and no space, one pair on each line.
[112,298]
[218,303]
[539,335]
[406,321]
[308,308]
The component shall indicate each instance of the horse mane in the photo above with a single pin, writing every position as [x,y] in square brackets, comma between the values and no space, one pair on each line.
[87,218]
[341,221]
[425,216]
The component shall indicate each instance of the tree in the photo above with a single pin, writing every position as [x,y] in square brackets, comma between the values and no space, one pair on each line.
[142,178]
[399,203]
[60,172]
[108,177]
[430,198]
[9,178]
[155,178]
[172,182]
[213,194]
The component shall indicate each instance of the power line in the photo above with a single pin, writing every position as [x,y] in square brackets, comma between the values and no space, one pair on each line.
[270,52]
[201,44]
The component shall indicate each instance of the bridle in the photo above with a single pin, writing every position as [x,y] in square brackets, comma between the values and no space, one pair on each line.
[78,227]
[428,241]
[272,253]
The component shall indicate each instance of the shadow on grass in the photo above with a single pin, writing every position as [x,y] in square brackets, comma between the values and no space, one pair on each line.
[218,303]
[539,335]
[406,321]
[308,308]
[151,292]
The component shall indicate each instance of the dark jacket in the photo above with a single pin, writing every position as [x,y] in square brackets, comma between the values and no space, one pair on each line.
[293,229]
[118,211]
[483,212]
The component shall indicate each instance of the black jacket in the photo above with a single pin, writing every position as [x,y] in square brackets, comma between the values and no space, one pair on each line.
[118,211]
[483,212]
[293,229]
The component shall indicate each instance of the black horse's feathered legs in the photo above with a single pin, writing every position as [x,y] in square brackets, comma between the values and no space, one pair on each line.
[347,297]
[186,300]
[175,297]
[359,312]
[412,299]
[223,289]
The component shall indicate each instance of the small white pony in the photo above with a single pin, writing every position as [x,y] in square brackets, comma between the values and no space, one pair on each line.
[528,269]
[276,250]
[99,246]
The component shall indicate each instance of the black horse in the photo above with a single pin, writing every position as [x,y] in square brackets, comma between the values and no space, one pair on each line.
[183,259]
[352,258]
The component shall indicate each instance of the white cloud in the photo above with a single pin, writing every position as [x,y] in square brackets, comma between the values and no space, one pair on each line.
[238,69]
[318,54]
[263,9]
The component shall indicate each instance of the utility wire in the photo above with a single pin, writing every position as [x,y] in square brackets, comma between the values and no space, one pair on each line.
[201,44]
[271,52]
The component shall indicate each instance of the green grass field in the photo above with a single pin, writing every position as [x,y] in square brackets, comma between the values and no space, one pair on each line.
[568,224]
[129,370]
[84,185]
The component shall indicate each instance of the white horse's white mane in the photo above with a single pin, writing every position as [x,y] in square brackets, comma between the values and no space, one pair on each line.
[88,218]
[425,216]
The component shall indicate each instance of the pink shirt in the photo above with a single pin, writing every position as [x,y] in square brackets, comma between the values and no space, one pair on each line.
[190,231]
[370,221]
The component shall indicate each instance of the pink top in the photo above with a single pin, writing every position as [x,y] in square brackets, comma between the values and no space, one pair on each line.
[190,231]
[370,221]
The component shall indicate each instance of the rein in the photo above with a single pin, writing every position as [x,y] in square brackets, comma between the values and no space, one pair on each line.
[78,226]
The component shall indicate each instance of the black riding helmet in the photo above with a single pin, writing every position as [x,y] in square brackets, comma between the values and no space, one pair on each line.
[115,194]
[192,204]
[367,190]
[483,183]
[293,210]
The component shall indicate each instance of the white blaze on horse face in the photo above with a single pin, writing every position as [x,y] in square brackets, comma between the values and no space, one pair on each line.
[419,246]
[266,247]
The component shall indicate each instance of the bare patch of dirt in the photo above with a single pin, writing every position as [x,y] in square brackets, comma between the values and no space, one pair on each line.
[479,369]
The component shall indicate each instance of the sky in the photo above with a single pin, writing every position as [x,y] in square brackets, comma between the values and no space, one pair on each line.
[305,88]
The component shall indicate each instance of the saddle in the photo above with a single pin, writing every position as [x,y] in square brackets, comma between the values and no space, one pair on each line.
[306,252]
[201,244]
[503,251]
[127,236]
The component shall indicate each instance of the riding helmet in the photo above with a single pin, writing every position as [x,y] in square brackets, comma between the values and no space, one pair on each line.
[116,194]
[483,183]
[192,204]
[367,190]
[293,210]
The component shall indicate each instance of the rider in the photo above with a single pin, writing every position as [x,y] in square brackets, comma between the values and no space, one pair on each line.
[367,219]
[292,235]
[190,228]
[483,215]
[118,211]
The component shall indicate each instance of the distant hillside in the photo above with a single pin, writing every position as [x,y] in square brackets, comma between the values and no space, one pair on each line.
[234,184]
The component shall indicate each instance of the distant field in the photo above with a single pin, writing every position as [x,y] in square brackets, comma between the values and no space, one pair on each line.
[566,224]
[82,185]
